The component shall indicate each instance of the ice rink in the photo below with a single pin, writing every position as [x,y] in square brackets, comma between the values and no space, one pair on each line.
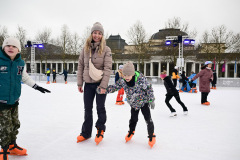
[50,124]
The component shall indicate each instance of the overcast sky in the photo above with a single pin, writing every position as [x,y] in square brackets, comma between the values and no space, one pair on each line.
[117,16]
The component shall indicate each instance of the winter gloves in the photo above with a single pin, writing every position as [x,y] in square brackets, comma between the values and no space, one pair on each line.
[151,104]
[43,90]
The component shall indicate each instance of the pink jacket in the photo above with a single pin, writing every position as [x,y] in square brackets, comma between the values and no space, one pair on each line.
[206,76]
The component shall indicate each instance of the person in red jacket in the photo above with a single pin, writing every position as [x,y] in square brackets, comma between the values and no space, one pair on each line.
[206,76]
[119,74]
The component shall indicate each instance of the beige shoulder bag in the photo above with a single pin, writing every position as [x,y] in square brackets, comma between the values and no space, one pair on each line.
[94,73]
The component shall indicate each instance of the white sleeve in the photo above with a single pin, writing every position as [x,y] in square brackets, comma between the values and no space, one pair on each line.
[27,79]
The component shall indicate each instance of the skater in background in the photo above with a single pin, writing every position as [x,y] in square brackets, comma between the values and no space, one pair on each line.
[48,72]
[193,83]
[119,74]
[172,92]
[175,76]
[184,81]
[101,58]
[65,73]
[140,96]
[54,76]
[12,72]
[206,76]
[214,82]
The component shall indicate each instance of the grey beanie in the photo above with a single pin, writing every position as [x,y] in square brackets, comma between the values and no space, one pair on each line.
[128,69]
[13,42]
[97,27]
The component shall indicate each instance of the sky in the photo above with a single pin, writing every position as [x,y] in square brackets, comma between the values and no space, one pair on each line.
[117,16]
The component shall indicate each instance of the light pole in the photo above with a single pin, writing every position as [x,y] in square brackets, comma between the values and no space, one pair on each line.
[181,40]
[33,45]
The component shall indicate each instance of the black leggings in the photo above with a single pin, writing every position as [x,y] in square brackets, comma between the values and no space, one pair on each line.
[175,82]
[213,84]
[177,97]
[147,116]
[204,97]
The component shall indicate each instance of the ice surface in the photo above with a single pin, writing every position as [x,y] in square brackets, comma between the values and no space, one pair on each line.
[50,124]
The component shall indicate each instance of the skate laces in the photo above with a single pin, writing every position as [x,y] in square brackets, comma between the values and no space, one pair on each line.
[150,137]
[15,146]
[5,152]
[99,133]
[130,133]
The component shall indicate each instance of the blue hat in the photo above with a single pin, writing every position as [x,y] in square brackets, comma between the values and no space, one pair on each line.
[208,62]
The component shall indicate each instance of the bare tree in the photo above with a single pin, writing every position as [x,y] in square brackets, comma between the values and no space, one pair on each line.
[138,38]
[45,37]
[75,46]
[176,23]
[3,34]
[218,42]
[63,41]
[21,35]
[84,36]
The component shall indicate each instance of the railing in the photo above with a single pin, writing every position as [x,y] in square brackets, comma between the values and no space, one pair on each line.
[221,82]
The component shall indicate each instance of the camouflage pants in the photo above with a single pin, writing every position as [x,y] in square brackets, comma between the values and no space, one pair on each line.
[9,125]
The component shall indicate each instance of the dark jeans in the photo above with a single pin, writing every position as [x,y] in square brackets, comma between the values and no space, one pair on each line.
[193,85]
[175,82]
[65,78]
[177,97]
[204,97]
[147,116]
[88,96]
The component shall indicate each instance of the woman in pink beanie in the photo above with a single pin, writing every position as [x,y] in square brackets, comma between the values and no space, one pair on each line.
[172,91]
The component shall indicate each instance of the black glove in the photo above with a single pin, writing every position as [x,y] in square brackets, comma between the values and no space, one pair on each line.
[210,80]
[43,90]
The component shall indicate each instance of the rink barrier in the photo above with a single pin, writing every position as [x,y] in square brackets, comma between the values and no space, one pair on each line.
[221,82]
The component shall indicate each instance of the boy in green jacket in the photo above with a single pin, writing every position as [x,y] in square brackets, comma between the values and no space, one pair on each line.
[12,72]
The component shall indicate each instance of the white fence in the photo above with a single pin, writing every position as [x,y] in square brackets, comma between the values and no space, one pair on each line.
[221,82]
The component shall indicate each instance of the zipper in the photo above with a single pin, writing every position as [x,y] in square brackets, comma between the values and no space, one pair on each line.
[10,81]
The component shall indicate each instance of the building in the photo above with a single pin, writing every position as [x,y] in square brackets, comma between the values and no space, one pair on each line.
[156,58]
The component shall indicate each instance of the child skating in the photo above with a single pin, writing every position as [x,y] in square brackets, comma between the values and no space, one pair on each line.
[172,92]
[12,72]
[48,72]
[139,96]
[214,81]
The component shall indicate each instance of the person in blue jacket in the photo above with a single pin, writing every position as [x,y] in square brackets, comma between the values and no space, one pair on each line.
[12,72]
[48,72]
[193,83]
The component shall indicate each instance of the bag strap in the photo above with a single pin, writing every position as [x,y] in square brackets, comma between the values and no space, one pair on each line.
[90,53]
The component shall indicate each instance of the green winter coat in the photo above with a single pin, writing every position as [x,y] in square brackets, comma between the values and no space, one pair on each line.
[10,80]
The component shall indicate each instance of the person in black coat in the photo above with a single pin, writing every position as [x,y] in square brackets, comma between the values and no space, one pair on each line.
[183,80]
[54,76]
[65,73]
[214,81]
[172,91]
